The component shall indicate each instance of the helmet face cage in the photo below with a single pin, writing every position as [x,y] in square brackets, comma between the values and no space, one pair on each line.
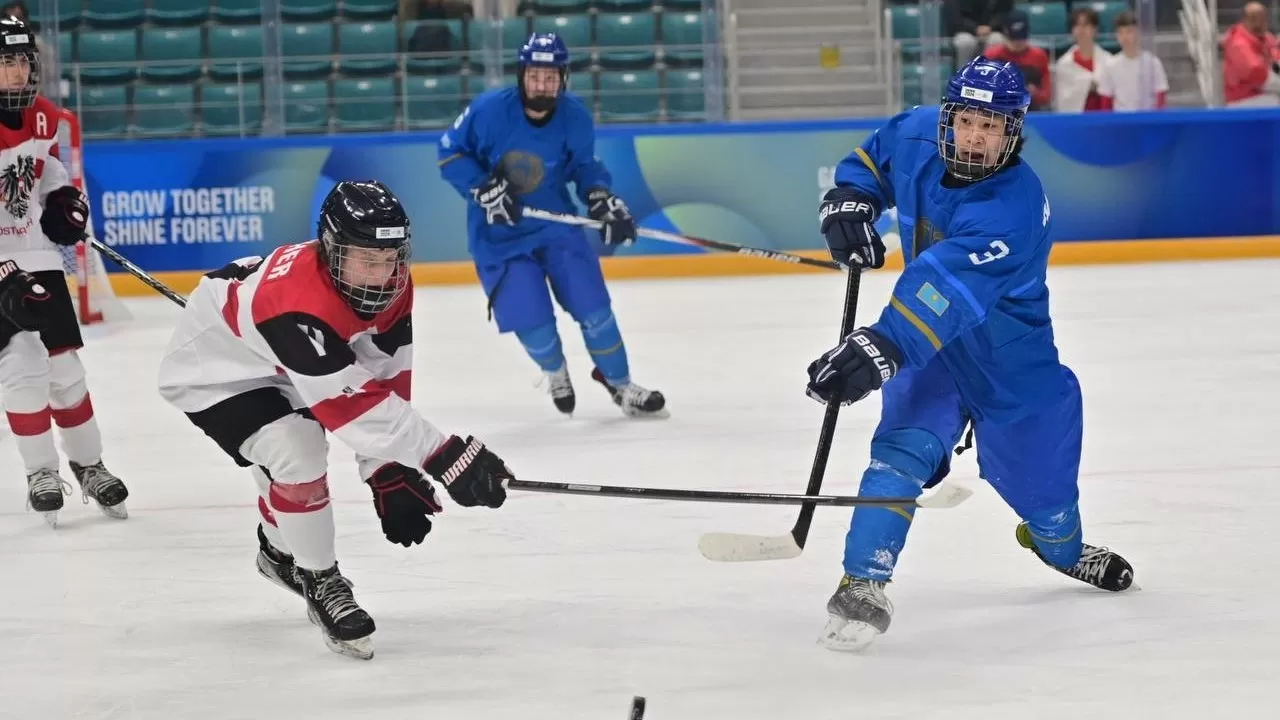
[973,169]
[23,97]
[356,269]
[546,50]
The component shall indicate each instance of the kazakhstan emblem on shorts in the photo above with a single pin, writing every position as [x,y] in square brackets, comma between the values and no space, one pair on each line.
[524,170]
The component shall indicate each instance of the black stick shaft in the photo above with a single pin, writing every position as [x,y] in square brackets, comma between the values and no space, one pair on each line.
[137,272]
[715,496]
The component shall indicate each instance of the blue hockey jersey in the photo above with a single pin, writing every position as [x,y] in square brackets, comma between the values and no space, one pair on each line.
[973,290]
[539,162]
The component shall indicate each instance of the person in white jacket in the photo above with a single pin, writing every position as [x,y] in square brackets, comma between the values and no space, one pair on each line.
[1076,73]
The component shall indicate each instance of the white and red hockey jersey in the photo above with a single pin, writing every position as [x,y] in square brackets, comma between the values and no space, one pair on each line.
[29,170]
[279,322]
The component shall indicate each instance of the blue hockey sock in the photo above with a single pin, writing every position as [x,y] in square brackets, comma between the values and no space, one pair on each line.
[1057,536]
[604,342]
[902,461]
[543,345]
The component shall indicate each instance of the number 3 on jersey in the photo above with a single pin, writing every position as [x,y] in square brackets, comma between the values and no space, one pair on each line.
[998,250]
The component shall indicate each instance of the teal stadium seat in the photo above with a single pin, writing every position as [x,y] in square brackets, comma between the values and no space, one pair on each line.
[626,40]
[365,104]
[558,7]
[311,47]
[231,108]
[682,5]
[308,10]
[172,54]
[66,52]
[114,13]
[435,62]
[432,102]
[629,96]
[365,10]
[164,109]
[235,52]
[178,12]
[682,39]
[1107,12]
[574,30]
[103,109]
[108,56]
[306,106]
[904,25]
[613,6]
[912,83]
[367,48]
[686,95]
[68,13]
[1048,24]
[237,11]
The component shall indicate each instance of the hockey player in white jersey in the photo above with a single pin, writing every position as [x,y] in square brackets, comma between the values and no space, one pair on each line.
[41,375]
[272,352]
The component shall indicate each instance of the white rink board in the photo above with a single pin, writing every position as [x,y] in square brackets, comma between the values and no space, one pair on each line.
[563,608]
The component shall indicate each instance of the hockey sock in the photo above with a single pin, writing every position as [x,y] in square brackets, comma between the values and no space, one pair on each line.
[304,516]
[604,342]
[73,410]
[1057,536]
[24,376]
[543,345]
[902,461]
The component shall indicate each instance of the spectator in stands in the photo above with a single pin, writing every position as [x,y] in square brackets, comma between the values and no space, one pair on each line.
[1075,81]
[972,24]
[1031,60]
[1133,79]
[1251,61]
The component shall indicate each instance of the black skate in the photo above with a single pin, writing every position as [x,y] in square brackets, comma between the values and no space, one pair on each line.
[98,484]
[859,613]
[1097,566]
[45,490]
[634,400]
[331,605]
[277,566]
[562,390]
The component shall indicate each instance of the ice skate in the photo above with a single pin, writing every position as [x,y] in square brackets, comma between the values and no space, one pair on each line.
[635,401]
[1097,566]
[98,484]
[277,566]
[332,606]
[859,613]
[562,390]
[45,490]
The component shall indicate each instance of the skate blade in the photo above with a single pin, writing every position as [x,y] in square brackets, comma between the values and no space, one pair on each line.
[639,414]
[51,518]
[117,511]
[843,635]
[360,648]
[269,575]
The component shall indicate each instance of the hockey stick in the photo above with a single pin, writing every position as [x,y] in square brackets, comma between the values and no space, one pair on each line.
[935,501]
[686,240]
[137,272]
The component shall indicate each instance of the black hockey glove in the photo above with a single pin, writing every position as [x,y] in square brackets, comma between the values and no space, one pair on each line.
[847,218]
[65,216]
[619,226]
[471,473]
[862,363]
[500,205]
[23,300]
[405,502]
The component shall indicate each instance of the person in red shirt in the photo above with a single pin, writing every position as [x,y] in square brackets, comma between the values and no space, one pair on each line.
[1251,61]
[1031,60]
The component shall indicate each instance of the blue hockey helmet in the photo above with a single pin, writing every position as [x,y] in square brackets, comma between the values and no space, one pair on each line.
[543,50]
[980,125]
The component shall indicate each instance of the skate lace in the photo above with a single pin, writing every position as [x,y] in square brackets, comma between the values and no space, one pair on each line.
[336,598]
[559,383]
[46,481]
[93,480]
[632,394]
[1092,565]
[869,591]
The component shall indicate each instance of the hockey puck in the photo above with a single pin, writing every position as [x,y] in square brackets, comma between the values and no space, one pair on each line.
[637,708]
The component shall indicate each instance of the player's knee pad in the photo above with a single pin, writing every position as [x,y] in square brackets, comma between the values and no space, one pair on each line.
[67,387]
[1057,534]
[24,374]
[292,450]
[906,459]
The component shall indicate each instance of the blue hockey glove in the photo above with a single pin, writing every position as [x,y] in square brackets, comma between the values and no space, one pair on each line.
[494,195]
[846,219]
[864,362]
[619,226]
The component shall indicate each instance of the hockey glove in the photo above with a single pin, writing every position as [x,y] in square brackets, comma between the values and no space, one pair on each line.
[846,219]
[405,502]
[864,362]
[619,226]
[65,216]
[23,300]
[500,205]
[471,473]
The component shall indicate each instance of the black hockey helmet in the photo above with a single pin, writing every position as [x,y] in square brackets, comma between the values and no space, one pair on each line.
[364,236]
[18,50]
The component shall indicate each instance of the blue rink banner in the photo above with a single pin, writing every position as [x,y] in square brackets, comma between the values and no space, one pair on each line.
[197,204]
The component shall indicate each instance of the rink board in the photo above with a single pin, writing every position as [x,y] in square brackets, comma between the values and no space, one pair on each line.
[1123,188]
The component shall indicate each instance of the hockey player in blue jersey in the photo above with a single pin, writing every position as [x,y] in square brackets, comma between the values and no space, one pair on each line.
[521,146]
[965,340]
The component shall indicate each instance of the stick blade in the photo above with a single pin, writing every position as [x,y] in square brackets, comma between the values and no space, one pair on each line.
[735,547]
[944,497]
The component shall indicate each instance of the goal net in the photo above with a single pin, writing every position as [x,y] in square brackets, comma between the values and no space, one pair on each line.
[96,301]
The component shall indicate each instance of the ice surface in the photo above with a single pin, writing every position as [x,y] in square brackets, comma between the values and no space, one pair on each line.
[558,607]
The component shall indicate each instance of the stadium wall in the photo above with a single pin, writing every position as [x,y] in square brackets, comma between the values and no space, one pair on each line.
[1124,188]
